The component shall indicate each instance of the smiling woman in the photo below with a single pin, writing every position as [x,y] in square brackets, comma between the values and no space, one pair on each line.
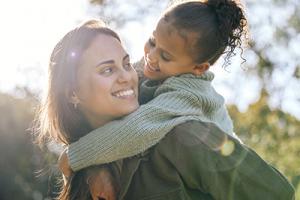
[91,82]
[107,84]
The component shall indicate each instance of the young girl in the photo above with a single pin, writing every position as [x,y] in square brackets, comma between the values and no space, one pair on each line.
[188,39]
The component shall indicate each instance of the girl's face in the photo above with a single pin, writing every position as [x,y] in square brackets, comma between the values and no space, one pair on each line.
[107,83]
[167,53]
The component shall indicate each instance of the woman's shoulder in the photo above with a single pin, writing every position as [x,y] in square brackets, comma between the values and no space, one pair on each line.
[194,141]
[202,153]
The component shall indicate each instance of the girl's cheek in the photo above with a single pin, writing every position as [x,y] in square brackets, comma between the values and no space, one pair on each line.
[146,48]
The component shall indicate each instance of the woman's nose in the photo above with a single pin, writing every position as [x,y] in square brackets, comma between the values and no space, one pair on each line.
[124,76]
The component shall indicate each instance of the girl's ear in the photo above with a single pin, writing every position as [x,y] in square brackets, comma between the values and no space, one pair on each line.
[200,68]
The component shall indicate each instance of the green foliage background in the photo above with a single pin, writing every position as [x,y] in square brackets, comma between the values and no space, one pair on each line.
[28,173]
[273,134]
[24,170]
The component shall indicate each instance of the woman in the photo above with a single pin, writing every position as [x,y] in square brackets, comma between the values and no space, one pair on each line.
[91,82]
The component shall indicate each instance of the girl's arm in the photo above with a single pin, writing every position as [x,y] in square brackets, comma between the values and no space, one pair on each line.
[135,133]
[177,100]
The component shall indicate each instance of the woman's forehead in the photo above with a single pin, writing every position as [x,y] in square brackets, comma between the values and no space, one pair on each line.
[104,46]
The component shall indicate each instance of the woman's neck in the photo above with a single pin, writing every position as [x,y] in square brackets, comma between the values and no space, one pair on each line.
[96,123]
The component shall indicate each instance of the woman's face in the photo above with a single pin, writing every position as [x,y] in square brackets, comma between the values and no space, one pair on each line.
[107,83]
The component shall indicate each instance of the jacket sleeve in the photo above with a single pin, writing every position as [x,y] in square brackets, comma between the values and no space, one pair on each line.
[211,161]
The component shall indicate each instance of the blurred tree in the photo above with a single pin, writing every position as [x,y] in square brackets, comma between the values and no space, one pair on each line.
[271,132]
[275,47]
[19,159]
[119,13]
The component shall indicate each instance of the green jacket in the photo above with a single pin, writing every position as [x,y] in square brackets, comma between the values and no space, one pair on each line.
[196,160]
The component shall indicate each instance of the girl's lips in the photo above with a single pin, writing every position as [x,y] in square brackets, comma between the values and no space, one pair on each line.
[150,68]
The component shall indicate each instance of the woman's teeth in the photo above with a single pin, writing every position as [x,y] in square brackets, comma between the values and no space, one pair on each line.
[124,93]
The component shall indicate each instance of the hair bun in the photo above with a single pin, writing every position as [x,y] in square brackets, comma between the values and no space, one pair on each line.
[216,4]
[228,12]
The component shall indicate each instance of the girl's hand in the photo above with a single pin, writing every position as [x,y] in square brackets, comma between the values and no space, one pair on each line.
[102,185]
[64,166]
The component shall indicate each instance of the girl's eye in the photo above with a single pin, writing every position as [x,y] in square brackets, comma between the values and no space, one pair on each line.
[128,67]
[151,41]
[164,57]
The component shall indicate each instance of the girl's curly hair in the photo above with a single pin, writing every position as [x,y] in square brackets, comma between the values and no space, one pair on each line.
[220,26]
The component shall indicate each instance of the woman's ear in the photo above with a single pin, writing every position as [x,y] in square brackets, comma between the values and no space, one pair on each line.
[200,68]
[73,98]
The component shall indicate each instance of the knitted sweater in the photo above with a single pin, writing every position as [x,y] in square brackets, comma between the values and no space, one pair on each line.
[177,100]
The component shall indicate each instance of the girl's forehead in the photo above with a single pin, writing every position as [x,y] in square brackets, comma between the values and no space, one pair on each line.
[172,38]
[165,28]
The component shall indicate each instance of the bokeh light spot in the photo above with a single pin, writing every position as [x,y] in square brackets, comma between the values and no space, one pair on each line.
[227,148]
[73,54]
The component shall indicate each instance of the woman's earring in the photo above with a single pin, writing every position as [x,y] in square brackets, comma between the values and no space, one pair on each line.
[75,100]
[75,104]
[88,180]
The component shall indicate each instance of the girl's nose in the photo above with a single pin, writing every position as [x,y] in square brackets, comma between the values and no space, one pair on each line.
[151,57]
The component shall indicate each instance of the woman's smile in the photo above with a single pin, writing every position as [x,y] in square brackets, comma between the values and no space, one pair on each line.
[128,93]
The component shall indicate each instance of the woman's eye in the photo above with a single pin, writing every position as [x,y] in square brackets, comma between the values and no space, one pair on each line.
[128,66]
[151,42]
[106,71]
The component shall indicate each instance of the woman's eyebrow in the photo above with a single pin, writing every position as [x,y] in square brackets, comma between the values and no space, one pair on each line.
[111,61]
[105,62]
[126,57]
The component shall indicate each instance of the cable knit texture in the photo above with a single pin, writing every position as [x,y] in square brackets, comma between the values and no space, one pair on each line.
[177,100]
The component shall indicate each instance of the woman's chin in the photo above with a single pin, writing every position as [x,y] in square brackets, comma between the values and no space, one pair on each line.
[128,109]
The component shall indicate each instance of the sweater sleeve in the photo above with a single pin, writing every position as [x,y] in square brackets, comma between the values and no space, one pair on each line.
[134,133]
[211,161]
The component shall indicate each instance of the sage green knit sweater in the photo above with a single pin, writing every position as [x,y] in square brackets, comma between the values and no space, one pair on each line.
[177,100]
